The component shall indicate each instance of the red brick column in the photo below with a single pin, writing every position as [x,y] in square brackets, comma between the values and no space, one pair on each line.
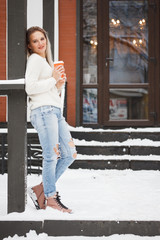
[2,56]
[67,52]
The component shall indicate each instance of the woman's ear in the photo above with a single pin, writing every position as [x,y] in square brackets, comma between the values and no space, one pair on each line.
[29,49]
[29,46]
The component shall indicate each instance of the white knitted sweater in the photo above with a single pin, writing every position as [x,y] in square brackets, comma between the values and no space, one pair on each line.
[40,85]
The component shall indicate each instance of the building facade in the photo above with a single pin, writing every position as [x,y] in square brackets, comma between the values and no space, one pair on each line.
[111,51]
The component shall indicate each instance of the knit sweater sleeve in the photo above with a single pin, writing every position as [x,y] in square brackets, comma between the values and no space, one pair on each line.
[32,75]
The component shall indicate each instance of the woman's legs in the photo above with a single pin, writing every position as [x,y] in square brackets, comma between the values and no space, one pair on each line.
[58,148]
[46,123]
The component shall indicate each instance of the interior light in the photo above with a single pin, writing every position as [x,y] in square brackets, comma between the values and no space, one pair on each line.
[134,42]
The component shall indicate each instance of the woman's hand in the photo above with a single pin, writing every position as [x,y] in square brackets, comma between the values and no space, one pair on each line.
[61,82]
[57,72]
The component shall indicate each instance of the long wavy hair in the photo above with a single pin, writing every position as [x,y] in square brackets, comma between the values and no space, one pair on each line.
[48,47]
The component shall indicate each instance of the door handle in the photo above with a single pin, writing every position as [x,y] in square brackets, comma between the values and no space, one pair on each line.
[109,59]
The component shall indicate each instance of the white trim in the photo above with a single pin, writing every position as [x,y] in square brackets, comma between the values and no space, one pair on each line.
[34,18]
[34,13]
[56,30]
[56,44]
[14,81]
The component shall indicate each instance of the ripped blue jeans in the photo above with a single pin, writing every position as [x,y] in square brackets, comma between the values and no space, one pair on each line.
[56,142]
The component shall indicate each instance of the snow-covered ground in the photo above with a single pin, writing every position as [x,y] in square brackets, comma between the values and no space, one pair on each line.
[95,195]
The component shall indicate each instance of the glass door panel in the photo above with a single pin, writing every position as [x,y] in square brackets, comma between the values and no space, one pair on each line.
[89,79]
[90,42]
[128,103]
[128,60]
[128,42]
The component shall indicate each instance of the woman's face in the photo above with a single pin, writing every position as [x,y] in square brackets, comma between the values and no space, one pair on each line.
[37,43]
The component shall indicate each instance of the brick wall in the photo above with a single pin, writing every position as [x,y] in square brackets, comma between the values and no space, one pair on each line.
[2,56]
[67,52]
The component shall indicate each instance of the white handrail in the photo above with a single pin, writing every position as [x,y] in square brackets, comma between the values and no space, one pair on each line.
[15,81]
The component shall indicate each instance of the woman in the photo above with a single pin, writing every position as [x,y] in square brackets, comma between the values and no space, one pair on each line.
[43,86]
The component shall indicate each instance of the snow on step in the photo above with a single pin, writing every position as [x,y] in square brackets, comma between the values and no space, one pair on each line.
[146,129]
[119,157]
[129,142]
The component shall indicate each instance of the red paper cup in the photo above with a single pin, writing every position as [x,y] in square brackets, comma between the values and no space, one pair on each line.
[59,63]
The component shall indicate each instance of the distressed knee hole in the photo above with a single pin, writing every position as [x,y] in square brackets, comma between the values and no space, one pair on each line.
[75,155]
[56,149]
[71,143]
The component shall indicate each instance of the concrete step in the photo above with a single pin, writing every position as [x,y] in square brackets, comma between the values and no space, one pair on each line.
[119,149]
[110,136]
[116,164]
[80,228]
[35,165]
[36,152]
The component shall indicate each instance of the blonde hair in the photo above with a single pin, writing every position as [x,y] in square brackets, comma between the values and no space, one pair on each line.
[48,47]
